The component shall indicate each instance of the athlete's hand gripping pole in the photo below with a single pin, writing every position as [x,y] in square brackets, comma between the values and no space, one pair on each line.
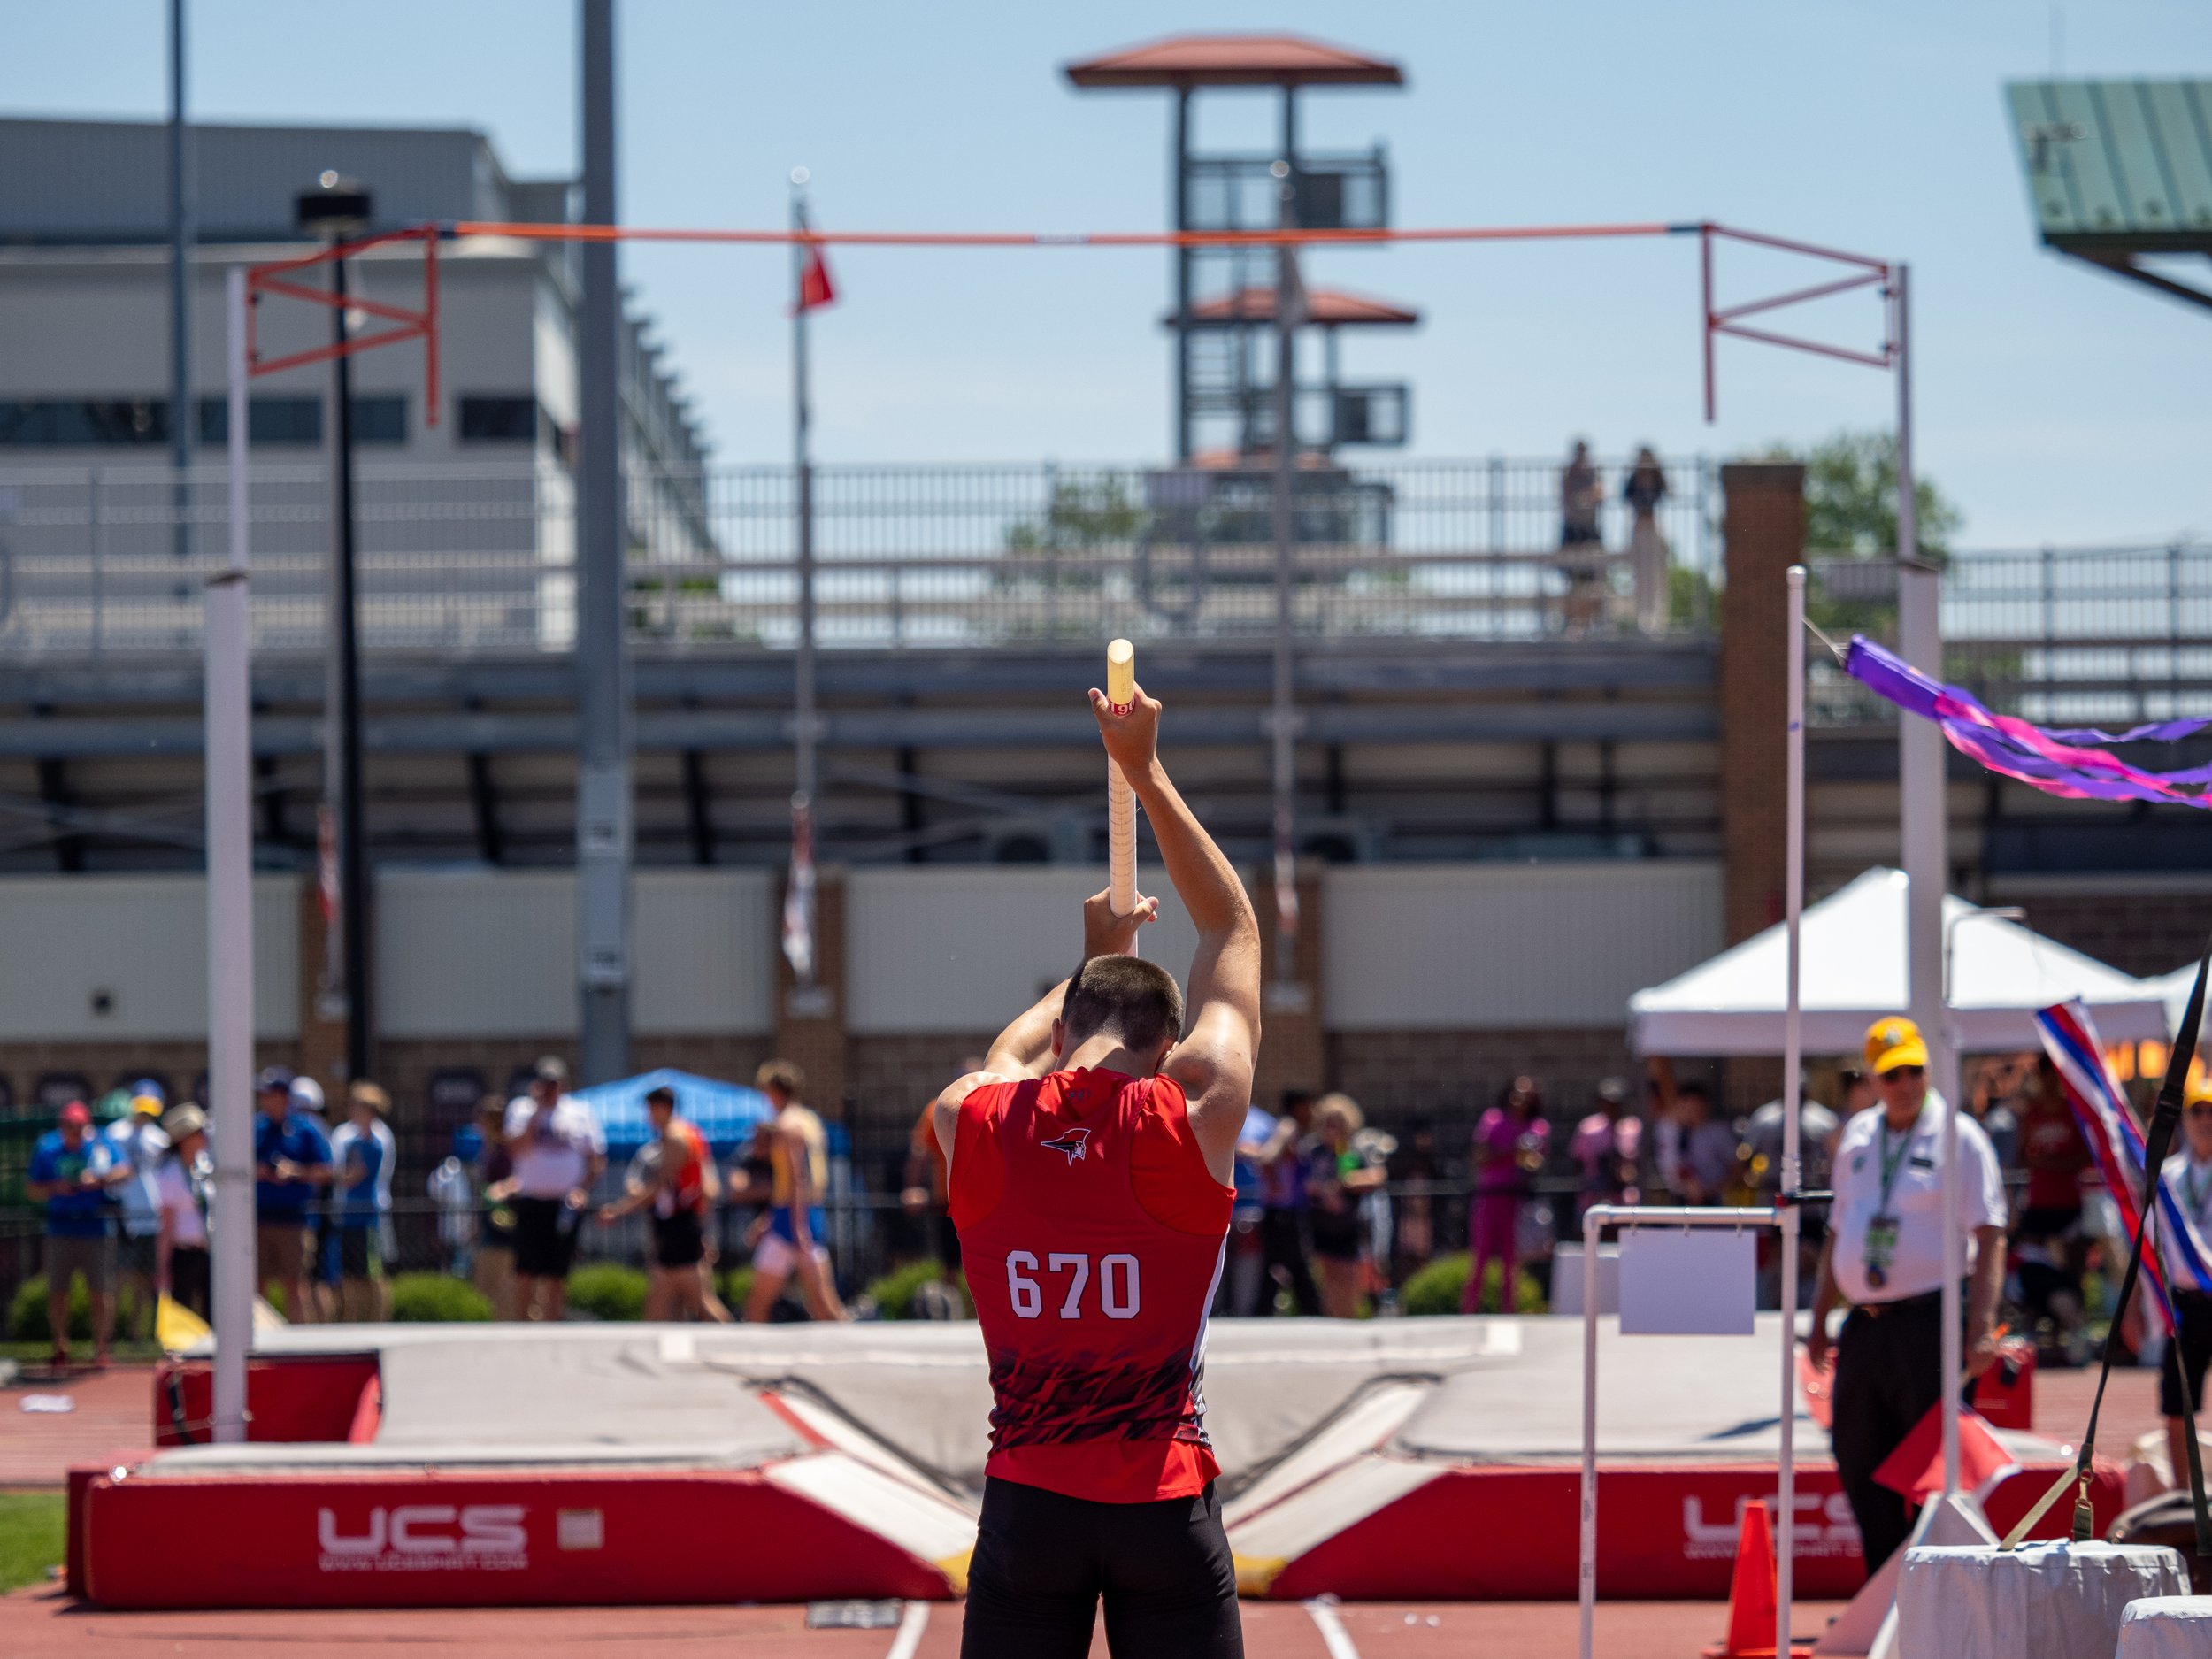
[1121,800]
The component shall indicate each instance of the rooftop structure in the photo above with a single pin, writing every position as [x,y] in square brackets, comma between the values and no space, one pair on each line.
[2119,169]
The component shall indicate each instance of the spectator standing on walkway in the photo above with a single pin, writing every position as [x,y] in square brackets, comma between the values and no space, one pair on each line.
[1581,543]
[2048,1239]
[1510,1141]
[71,1170]
[559,1149]
[1609,1146]
[1283,1196]
[291,1159]
[1644,488]
[180,1258]
[1337,1178]
[492,1269]
[1413,1170]
[1884,1259]
[139,1147]
[362,1155]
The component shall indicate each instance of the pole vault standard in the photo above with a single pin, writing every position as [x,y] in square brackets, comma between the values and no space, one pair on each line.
[227,706]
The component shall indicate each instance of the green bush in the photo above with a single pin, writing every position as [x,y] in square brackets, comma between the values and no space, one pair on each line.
[894,1294]
[1437,1287]
[608,1290]
[26,1314]
[436,1299]
[735,1288]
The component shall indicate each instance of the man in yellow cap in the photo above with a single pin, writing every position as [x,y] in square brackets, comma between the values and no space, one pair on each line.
[1885,1257]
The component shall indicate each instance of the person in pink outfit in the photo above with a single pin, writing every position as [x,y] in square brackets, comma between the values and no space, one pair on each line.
[1511,1140]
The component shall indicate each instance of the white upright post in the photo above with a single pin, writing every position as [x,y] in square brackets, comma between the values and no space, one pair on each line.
[1793,1087]
[228,710]
[1586,1556]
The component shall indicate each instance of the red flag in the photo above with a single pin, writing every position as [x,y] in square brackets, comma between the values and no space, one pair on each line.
[815,287]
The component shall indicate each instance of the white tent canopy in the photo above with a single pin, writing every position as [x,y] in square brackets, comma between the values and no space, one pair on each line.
[1852,973]
[2173,989]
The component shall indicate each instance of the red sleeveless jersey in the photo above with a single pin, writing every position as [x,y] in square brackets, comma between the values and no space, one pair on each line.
[1092,1232]
[690,1187]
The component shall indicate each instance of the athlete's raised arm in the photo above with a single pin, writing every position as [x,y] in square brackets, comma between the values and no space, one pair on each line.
[1221,1035]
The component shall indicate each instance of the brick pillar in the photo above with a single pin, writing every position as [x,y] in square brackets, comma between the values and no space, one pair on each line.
[1292,1052]
[1764,529]
[811,1025]
[322,1041]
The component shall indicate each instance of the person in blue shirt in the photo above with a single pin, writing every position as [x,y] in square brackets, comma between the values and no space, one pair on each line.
[291,1159]
[362,1155]
[71,1171]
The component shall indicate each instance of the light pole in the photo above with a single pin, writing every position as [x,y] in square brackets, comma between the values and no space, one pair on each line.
[336,209]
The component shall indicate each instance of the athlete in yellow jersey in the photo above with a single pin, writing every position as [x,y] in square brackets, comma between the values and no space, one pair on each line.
[790,1239]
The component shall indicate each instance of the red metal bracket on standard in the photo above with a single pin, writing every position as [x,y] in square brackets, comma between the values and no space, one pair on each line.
[409,325]
[1866,273]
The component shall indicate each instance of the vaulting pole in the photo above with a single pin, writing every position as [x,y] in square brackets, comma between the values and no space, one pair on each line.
[1121,800]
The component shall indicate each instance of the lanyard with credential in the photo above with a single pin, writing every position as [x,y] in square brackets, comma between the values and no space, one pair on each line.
[1892,1162]
[2193,1197]
[1881,1229]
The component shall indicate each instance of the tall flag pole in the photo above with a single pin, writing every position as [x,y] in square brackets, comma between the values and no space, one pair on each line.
[812,287]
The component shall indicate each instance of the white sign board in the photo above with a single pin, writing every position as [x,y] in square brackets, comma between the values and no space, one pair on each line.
[1682,1281]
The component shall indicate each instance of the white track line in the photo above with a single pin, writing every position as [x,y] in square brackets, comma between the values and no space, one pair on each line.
[1321,1612]
[911,1629]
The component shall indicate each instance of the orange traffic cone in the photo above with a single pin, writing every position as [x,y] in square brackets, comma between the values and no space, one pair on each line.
[1752,1595]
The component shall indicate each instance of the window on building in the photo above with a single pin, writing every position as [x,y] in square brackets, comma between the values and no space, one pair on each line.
[379,420]
[268,420]
[55,423]
[299,420]
[499,419]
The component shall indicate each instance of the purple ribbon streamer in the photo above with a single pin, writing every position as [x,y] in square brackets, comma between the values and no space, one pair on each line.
[2051,759]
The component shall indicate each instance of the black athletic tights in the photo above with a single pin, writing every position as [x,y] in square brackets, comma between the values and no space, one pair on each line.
[1042,1562]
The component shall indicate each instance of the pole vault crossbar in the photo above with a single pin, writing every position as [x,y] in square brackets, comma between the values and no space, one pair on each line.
[1867,271]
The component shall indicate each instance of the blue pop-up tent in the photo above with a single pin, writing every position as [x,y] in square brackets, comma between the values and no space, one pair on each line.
[726,1113]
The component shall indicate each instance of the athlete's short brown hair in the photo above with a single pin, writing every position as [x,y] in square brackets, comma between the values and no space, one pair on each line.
[1136,1000]
[781,1074]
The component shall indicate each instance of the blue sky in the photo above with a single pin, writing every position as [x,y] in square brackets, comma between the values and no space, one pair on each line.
[2053,403]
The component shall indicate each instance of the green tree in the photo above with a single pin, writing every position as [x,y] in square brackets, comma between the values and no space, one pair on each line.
[1851,498]
[1083,514]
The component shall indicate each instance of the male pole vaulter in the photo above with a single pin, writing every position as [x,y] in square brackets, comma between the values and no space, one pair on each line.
[1091,1162]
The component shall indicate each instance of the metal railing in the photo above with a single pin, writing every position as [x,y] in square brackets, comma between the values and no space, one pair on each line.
[2078,635]
[475,559]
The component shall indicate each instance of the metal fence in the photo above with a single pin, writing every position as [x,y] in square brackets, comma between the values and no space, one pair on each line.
[2070,635]
[108,561]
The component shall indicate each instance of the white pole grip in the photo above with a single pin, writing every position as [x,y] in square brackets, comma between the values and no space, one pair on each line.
[1121,801]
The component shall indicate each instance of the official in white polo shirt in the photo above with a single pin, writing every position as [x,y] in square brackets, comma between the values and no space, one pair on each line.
[1884,1256]
[2188,1177]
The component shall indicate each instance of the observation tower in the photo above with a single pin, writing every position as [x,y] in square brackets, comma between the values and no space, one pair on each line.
[1223,305]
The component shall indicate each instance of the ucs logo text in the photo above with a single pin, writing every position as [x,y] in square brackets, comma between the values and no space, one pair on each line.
[425,1537]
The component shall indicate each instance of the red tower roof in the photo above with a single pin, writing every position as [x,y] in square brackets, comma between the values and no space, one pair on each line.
[1325,306]
[1235,60]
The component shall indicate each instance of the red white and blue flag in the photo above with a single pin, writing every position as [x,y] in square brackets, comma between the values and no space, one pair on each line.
[2107,1122]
